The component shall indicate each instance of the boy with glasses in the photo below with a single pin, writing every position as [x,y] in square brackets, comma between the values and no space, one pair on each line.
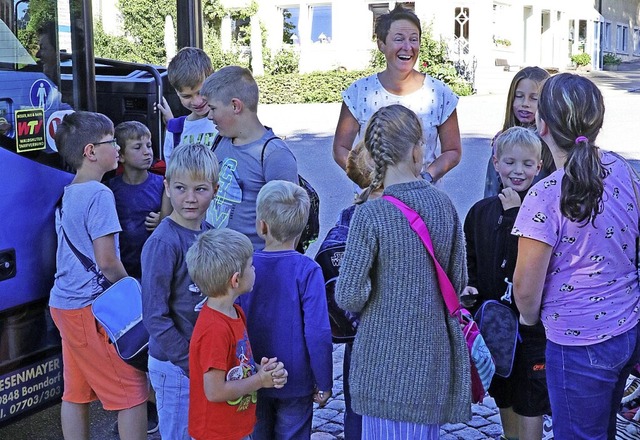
[88,220]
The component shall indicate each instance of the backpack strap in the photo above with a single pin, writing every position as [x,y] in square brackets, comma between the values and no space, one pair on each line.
[176,127]
[87,262]
[216,142]
[264,147]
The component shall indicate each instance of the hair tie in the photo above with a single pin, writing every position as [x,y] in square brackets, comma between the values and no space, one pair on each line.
[581,139]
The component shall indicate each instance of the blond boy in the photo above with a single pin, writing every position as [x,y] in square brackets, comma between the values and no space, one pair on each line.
[287,315]
[224,377]
[170,299]
[491,258]
[138,193]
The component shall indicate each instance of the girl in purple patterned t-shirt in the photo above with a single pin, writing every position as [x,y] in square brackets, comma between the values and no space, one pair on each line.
[576,268]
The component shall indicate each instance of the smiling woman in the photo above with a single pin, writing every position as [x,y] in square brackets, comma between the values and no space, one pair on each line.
[398,37]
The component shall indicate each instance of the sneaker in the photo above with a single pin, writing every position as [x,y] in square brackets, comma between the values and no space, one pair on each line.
[631,389]
[547,427]
[152,418]
[626,429]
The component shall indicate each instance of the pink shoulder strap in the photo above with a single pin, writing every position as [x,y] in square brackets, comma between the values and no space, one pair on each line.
[418,225]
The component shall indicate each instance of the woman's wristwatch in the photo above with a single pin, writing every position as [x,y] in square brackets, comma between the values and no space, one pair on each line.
[427,176]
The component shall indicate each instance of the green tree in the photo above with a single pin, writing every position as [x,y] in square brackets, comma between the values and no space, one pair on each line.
[219,57]
[39,13]
[114,47]
[289,29]
[143,24]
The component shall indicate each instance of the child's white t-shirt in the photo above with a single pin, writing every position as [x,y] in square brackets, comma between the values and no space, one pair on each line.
[201,131]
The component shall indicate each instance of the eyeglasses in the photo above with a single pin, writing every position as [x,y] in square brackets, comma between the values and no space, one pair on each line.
[113,143]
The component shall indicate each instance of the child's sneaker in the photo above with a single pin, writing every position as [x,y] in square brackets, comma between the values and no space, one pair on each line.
[547,428]
[626,429]
[152,418]
[631,389]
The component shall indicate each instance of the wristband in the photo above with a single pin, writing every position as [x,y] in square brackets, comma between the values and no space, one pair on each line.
[427,176]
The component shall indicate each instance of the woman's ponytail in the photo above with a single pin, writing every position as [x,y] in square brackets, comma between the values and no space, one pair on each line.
[582,184]
[572,107]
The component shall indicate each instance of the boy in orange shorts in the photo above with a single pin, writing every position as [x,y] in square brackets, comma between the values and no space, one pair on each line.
[88,221]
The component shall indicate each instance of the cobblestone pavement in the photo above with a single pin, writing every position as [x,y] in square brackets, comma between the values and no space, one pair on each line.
[328,421]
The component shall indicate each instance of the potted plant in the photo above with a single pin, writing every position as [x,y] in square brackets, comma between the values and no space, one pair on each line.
[501,42]
[610,61]
[582,61]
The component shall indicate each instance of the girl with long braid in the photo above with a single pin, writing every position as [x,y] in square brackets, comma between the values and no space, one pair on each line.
[576,269]
[410,367]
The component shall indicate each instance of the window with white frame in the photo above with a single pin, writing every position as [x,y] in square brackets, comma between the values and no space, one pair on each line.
[290,17]
[377,9]
[606,36]
[318,23]
[622,35]
[636,41]
[321,26]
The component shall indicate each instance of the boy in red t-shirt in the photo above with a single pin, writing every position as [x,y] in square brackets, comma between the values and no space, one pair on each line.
[223,376]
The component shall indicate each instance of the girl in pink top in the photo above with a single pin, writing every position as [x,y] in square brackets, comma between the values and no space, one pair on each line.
[576,268]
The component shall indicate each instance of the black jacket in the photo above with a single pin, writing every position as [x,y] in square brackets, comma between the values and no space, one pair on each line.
[491,249]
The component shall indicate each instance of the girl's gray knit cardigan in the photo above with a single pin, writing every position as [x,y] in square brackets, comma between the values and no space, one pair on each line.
[410,361]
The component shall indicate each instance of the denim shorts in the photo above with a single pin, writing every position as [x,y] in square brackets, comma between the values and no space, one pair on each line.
[586,385]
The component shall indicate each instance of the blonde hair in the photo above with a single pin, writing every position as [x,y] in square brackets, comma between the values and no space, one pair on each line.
[215,256]
[392,132]
[360,165]
[520,137]
[195,160]
[284,206]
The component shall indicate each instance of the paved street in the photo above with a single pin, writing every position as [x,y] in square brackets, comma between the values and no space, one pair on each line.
[327,421]
[309,129]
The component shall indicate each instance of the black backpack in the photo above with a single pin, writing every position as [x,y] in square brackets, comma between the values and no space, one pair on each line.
[343,323]
[312,228]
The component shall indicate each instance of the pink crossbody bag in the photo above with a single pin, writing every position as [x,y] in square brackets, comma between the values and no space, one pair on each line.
[482,365]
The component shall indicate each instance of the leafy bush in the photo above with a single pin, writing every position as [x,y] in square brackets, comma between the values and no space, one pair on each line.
[143,24]
[319,86]
[219,57]
[501,42]
[611,59]
[115,47]
[283,61]
[581,59]
[310,87]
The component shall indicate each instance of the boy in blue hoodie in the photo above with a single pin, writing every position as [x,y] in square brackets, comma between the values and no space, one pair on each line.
[287,316]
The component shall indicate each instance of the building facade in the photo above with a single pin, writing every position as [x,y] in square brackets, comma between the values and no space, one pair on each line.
[331,34]
[492,35]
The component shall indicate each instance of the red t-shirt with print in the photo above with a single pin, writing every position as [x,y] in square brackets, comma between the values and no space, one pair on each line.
[221,343]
